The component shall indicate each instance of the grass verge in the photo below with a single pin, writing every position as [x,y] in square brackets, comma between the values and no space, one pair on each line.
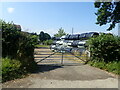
[41,46]
[113,66]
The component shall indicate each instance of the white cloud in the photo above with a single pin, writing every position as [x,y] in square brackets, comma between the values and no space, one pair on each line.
[10,10]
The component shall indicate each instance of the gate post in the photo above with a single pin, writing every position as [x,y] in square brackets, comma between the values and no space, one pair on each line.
[62,58]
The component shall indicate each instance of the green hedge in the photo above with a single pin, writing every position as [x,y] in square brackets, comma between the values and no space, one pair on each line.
[105,47]
[18,45]
[105,52]
[25,52]
[11,69]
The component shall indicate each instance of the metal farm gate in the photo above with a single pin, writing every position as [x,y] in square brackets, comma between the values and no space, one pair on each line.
[45,56]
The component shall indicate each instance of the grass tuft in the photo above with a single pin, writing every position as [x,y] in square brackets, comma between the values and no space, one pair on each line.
[113,66]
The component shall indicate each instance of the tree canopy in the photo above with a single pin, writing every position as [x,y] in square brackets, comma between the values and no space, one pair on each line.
[60,33]
[108,12]
[44,36]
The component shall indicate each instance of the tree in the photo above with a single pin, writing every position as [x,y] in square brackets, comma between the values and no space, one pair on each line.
[108,12]
[33,33]
[60,33]
[44,36]
[47,36]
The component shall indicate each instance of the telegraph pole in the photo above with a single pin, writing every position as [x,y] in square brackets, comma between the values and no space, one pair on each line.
[72,31]
[119,29]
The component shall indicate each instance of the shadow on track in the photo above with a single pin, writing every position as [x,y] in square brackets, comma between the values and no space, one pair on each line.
[45,68]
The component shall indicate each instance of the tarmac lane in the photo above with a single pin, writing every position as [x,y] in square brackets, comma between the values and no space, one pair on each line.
[72,73]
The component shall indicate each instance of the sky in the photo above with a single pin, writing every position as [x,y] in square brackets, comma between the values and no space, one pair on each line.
[50,16]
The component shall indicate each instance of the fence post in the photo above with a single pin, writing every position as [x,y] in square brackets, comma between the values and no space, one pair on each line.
[62,58]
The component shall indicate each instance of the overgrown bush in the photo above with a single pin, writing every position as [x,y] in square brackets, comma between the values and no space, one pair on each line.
[11,69]
[10,35]
[25,52]
[18,45]
[105,47]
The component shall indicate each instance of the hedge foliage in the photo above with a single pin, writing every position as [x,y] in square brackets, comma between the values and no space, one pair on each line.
[11,69]
[18,45]
[105,47]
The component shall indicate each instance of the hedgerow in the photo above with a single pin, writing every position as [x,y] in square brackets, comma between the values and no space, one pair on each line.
[105,47]
[105,52]
[11,69]
[18,45]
